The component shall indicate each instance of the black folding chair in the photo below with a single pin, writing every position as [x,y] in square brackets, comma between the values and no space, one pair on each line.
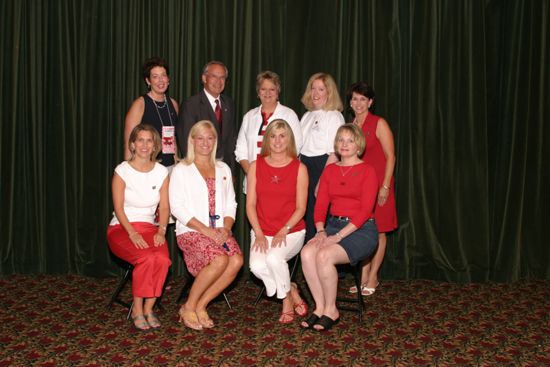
[295,260]
[187,286]
[356,271]
[128,269]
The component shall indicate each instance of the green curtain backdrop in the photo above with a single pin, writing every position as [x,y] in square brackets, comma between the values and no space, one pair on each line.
[463,84]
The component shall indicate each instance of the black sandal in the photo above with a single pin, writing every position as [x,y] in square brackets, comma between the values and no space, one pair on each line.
[326,322]
[310,321]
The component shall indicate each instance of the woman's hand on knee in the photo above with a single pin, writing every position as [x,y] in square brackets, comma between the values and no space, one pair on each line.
[331,240]
[279,239]
[260,244]
[158,239]
[138,240]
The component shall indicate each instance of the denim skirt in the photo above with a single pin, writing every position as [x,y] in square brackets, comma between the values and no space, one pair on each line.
[361,243]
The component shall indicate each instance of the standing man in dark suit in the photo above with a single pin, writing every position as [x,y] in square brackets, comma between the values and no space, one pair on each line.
[210,104]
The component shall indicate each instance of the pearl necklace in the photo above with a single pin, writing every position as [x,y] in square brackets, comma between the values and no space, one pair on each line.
[165,104]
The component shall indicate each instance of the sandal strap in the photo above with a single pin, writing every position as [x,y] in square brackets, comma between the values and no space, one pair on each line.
[326,322]
[143,325]
[206,320]
[287,317]
[311,320]
[152,319]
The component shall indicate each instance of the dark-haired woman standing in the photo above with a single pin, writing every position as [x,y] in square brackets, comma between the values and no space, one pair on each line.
[380,154]
[155,108]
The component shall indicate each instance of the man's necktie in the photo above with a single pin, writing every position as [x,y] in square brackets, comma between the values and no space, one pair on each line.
[218,112]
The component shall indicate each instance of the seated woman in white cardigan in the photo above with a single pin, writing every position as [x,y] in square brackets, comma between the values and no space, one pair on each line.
[202,199]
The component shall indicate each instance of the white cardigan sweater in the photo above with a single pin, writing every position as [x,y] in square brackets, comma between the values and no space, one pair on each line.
[189,195]
[252,120]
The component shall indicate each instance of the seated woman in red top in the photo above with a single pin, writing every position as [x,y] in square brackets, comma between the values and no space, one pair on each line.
[349,187]
[275,205]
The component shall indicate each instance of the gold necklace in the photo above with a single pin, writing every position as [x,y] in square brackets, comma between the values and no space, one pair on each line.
[344,173]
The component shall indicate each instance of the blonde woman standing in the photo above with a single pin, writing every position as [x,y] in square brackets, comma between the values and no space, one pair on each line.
[319,125]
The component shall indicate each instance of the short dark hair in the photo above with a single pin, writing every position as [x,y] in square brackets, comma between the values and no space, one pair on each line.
[361,88]
[153,62]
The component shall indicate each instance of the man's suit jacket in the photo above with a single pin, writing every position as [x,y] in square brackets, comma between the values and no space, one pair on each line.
[198,108]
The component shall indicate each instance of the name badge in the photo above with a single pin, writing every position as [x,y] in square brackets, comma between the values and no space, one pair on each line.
[168,139]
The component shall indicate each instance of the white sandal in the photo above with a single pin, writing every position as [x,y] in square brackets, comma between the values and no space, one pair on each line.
[365,291]
[353,289]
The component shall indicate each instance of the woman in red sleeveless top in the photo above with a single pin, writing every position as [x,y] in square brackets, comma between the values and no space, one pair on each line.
[380,153]
[275,205]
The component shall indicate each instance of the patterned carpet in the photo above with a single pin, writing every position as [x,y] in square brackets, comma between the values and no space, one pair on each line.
[63,321]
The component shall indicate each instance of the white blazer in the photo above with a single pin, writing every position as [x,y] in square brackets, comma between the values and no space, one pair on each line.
[248,134]
[189,195]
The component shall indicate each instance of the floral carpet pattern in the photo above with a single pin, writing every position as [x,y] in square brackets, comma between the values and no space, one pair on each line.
[63,321]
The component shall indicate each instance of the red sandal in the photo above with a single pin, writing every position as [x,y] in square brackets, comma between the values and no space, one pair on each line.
[287,317]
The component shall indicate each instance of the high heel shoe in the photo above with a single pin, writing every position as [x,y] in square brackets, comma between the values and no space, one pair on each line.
[353,289]
[366,291]
[189,319]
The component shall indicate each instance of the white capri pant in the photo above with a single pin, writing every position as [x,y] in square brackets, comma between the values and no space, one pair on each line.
[272,267]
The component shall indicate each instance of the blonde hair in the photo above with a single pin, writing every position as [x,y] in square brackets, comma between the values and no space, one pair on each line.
[133,137]
[195,130]
[358,138]
[334,102]
[279,124]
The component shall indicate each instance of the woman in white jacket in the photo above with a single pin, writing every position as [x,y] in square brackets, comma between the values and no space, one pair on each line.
[202,199]
[255,121]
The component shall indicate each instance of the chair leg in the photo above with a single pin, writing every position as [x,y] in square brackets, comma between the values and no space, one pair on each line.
[292,275]
[130,311]
[121,284]
[357,278]
[227,301]
[356,272]
[185,289]
[259,296]
[294,266]
[293,271]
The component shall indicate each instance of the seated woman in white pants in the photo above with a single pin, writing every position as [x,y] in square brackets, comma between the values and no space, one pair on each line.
[275,205]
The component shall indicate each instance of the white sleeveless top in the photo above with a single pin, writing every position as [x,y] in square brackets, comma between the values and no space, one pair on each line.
[142,192]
